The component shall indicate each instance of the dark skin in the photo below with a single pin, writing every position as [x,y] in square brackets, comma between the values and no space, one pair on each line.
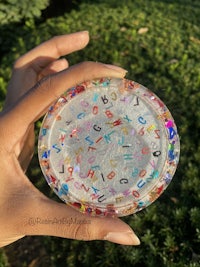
[39,77]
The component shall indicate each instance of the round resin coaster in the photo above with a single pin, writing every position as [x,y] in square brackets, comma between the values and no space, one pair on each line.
[108,147]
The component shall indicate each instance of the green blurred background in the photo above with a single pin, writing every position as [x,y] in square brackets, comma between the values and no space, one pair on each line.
[158,42]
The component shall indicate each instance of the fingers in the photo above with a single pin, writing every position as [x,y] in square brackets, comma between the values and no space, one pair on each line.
[53,67]
[57,219]
[36,101]
[22,80]
[52,49]
[42,61]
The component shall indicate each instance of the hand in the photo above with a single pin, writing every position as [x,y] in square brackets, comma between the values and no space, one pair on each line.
[39,78]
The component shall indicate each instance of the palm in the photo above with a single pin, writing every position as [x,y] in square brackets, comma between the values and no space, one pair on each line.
[30,74]
[14,93]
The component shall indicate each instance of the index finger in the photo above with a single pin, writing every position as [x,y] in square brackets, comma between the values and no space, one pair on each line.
[54,48]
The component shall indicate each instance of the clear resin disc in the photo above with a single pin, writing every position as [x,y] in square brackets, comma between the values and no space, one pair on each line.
[108,147]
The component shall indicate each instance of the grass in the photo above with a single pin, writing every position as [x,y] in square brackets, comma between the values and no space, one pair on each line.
[158,42]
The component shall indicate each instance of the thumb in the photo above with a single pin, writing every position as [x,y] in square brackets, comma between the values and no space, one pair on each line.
[36,101]
[56,219]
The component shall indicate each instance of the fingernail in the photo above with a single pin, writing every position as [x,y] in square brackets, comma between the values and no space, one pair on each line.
[124,238]
[85,32]
[116,68]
